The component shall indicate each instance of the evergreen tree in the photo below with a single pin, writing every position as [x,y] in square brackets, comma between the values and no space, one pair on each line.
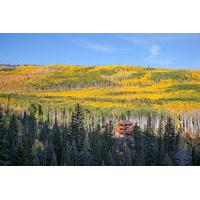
[85,157]
[195,155]
[26,140]
[150,143]
[66,147]
[13,138]
[149,127]
[36,161]
[160,142]
[4,143]
[96,146]
[57,142]
[128,157]
[38,154]
[139,145]
[77,127]
[50,156]
[30,138]
[169,137]
[20,159]
[30,132]
[53,161]
[111,158]
[44,132]
[66,154]
[183,153]
[107,142]
[74,156]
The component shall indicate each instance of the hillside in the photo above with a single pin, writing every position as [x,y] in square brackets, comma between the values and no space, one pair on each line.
[120,88]
[99,115]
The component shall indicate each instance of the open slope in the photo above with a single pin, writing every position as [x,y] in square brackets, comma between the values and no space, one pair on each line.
[118,89]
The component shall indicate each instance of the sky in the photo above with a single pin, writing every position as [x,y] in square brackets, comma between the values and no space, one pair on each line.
[180,51]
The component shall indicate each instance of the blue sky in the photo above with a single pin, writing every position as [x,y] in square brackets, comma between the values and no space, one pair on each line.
[154,50]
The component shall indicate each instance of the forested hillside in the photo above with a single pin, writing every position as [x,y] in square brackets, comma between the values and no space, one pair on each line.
[110,91]
[121,88]
[65,115]
[26,141]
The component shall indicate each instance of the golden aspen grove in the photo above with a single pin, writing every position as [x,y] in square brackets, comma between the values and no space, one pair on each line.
[101,88]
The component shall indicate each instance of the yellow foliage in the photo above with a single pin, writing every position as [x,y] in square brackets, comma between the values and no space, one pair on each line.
[130,87]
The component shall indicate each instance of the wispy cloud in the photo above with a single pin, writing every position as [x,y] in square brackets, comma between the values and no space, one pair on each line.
[152,45]
[97,47]
[161,38]
[135,39]
[155,56]
[154,50]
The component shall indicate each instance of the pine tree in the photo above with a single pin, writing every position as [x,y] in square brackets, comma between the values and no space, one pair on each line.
[85,157]
[160,142]
[29,132]
[66,155]
[44,132]
[66,147]
[27,139]
[111,158]
[108,137]
[4,143]
[149,128]
[20,159]
[36,161]
[150,144]
[139,146]
[183,153]
[53,161]
[74,156]
[77,127]
[50,156]
[107,142]
[31,136]
[95,139]
[13,138]
[128,160]
[169,137]
[195,155]
[57,142]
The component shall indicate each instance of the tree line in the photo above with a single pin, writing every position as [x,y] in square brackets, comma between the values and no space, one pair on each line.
[26,140]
